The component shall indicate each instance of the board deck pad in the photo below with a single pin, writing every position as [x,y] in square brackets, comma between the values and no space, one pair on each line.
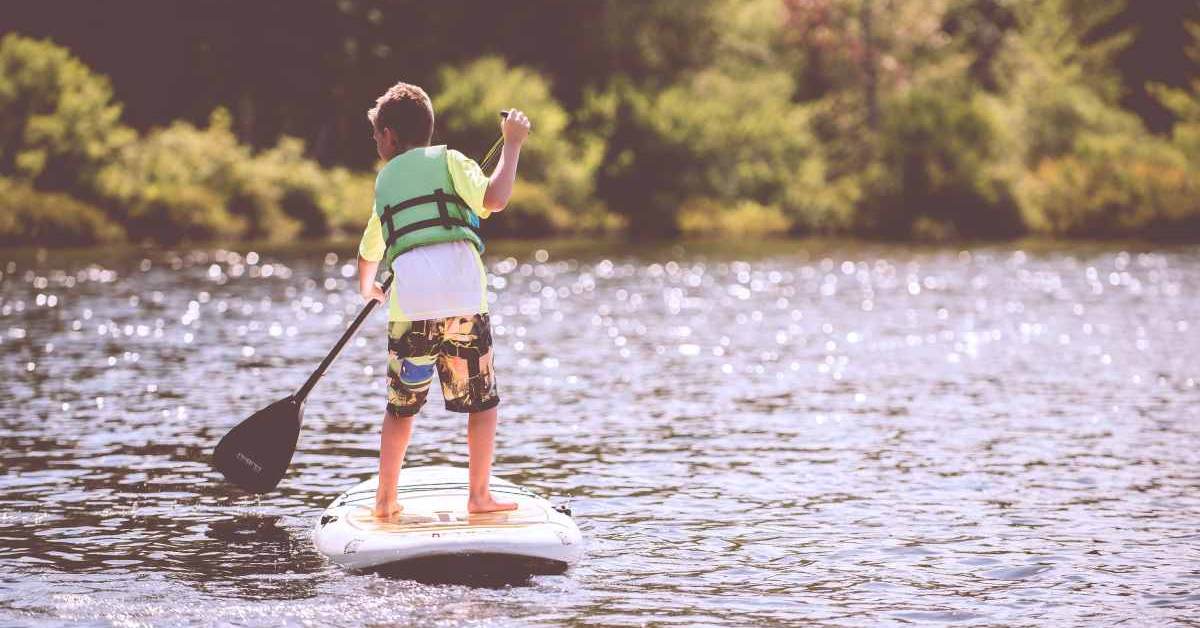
[364,519]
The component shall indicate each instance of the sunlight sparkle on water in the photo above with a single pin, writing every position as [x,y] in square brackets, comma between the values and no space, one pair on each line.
[998,435]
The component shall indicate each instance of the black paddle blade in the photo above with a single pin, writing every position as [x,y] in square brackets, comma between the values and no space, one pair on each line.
[256,453]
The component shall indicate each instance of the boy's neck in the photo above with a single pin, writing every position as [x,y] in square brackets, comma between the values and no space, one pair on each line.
[404,149]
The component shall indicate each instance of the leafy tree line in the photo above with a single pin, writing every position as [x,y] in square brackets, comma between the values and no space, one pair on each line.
[942,118]
[73,173]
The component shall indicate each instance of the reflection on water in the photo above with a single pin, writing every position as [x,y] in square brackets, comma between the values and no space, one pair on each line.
[812,431]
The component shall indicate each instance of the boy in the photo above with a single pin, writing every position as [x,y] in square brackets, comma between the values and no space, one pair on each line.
[428,201]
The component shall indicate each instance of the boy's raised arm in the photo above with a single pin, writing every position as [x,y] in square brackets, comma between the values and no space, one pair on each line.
[515,128]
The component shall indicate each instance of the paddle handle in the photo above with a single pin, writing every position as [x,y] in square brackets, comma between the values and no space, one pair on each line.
[495,145]
[337,348]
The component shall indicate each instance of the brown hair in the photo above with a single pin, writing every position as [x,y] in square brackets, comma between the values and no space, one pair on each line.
[407,111]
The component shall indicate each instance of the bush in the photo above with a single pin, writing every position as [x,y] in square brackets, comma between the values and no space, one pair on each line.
[942,159]
[301,197]
[176,183]
[531,213]
[722,138]
[188,183]
[1057,67]
[184,212]
[747,218]
[59,129]
[1184,104]
[1123,186]
[29,217]
[1057,114]
[258,202]
[348,199]
[297,184]
[58,124]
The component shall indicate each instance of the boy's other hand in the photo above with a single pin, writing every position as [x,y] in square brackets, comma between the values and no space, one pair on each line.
[375,292]
[515,127]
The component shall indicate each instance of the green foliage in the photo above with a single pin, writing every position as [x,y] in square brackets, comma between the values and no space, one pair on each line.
[1059,90]
[1059,37]
[1118,186]
[558,163]
[750,36]
[852,57]
[656,43]
[1185,105]
[939,119]
[1092,170]
[299,187]
[721,138]
[641,177]
[188,183]
[29,217]
[746,218]
[1057,115]
[531,213]
[348,199]
[60,130]
[58,124]
[940,152]
[981,28]
[295,196]
[176,183]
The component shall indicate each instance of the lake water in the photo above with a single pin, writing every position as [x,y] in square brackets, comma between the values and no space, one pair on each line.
[829,432]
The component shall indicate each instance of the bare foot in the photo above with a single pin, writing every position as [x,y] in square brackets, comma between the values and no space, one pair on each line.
[386,508]
[487,504]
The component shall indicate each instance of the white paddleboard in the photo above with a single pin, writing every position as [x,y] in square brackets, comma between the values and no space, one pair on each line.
[435,530]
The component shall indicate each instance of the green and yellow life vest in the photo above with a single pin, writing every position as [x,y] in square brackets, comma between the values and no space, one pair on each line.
[417,206]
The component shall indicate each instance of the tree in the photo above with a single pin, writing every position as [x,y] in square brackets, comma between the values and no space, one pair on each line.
[58,121]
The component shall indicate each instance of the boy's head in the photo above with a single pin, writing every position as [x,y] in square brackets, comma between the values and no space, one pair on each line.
[402,118]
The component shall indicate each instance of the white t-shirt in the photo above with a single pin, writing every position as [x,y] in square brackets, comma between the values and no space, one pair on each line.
[438,281]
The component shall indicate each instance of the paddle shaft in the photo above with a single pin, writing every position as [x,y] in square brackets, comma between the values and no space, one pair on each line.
[337,348]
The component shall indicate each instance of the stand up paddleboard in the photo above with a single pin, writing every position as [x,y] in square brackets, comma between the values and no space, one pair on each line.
[436,537]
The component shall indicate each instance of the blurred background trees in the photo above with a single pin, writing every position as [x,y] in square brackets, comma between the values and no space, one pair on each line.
[173,121]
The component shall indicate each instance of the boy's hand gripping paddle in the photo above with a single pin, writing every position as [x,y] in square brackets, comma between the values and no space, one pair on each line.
[256,453]
[495,145]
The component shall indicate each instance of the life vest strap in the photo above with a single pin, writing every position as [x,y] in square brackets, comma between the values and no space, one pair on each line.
[444,221]
[442,211]
[439,196]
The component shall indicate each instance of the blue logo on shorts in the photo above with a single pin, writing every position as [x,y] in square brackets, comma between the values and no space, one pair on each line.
[415,374]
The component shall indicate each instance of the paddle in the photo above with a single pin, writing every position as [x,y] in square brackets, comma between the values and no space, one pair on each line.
[256,453]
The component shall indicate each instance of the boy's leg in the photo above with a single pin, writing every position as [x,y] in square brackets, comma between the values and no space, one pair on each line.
[469,385]
[393,442]
[410,370]
[481,443]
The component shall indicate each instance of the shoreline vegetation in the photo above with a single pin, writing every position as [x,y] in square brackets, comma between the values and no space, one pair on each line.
[937,130]
[611,247]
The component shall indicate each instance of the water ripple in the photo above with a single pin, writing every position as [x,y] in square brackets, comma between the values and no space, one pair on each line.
[821,432]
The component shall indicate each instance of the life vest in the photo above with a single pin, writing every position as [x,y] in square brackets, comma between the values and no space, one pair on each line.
[416,205]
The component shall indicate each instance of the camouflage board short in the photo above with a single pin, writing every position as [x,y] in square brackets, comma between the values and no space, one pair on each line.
[459,347]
